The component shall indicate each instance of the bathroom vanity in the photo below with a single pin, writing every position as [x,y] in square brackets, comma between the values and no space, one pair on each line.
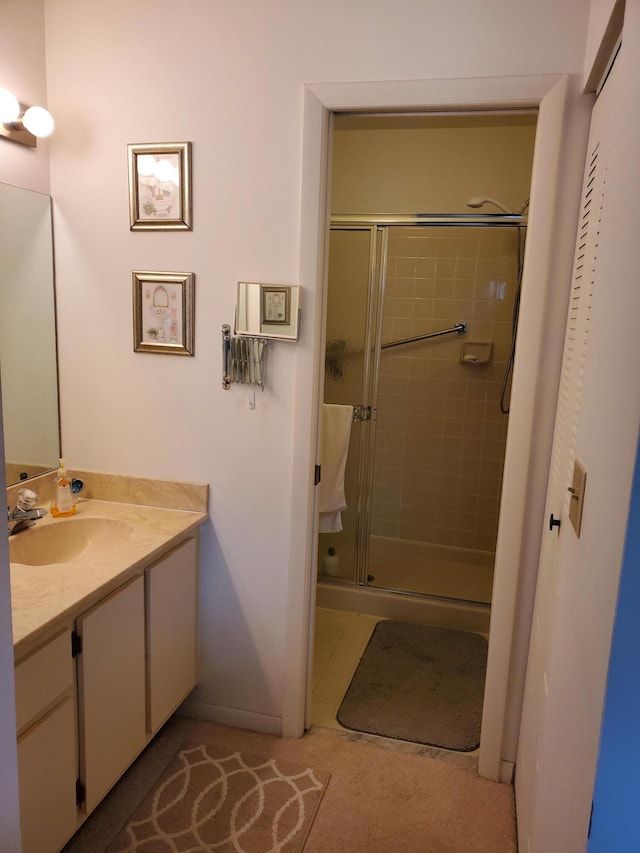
[105,648]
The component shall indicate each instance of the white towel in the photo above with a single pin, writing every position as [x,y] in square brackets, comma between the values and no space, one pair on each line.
[335,431]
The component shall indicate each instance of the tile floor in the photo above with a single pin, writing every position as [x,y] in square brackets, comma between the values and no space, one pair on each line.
[340,640]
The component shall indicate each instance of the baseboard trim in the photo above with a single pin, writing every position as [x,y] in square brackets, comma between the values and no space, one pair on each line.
[232,717]
[507,771]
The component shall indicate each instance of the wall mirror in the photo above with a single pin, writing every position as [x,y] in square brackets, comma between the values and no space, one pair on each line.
[28,352]
[268,310]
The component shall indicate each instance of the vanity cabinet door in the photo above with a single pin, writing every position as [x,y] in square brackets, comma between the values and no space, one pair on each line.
[48,770]
[171,632]
[47,745]
[111,689]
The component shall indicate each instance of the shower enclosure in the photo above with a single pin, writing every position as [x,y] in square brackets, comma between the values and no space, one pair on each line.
[425,462]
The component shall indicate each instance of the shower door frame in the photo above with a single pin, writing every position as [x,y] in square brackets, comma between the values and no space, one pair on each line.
[378,240]
[378,226]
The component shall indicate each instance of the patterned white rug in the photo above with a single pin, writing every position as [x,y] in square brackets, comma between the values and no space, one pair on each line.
[211,799]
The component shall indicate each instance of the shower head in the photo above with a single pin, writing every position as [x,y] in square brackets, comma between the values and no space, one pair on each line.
[478,201]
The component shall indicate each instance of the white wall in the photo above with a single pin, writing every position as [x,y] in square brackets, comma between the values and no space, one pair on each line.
[228,77]
[22,71]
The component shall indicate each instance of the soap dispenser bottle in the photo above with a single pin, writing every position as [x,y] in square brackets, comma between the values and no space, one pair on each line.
[63,504]
[331,563]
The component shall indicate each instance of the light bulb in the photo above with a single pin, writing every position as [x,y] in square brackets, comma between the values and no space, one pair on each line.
[9,107]
[38,121]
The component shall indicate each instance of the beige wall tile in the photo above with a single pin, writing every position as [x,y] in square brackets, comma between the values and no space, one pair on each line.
[440,435]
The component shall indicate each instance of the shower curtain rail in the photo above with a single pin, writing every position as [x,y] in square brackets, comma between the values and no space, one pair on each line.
[459,329]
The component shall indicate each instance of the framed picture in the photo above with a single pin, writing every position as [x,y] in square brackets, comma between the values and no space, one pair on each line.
[276,305]
[160,186]
[163,312]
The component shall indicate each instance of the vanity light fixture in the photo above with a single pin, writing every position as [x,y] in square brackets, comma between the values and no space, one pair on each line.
[21,123]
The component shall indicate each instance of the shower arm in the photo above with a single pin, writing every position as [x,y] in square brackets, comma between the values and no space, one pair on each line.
[459,329]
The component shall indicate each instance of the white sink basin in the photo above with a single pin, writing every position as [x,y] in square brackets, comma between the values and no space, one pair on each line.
[67,540]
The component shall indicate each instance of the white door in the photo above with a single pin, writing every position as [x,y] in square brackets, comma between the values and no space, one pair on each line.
[597,423]
[562,461]
[111,689]
[48,773]
[171,606]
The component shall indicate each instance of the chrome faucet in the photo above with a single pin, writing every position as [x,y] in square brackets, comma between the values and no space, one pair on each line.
[25,512]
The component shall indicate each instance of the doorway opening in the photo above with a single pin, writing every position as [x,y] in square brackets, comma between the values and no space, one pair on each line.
[423,291]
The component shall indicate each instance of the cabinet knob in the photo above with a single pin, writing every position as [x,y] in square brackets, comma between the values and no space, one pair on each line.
[553,522]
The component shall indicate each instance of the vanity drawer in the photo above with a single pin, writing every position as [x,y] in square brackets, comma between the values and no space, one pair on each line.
[42,677]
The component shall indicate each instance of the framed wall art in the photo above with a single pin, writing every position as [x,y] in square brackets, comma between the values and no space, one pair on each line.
[163,312]
[160,186]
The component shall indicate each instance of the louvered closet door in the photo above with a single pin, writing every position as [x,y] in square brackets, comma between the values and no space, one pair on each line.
[563,455]
[597,422]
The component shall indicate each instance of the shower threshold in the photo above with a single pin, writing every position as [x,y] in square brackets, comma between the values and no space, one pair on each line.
[442,571]
[389,604]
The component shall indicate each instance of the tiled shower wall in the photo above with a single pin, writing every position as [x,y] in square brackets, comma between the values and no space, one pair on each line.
[440,434]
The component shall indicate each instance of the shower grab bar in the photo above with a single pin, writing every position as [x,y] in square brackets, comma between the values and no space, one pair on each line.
[459,329]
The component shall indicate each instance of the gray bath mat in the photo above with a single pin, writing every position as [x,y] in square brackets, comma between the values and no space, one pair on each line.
[419,683]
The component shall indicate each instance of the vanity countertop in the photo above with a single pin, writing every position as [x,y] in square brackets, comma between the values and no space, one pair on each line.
[46,598]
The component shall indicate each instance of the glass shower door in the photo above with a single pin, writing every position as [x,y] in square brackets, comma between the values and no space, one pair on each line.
[424,476]
[440,433]
[351,317]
